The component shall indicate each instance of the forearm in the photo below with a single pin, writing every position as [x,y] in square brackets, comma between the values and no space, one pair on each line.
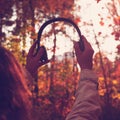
[86,106]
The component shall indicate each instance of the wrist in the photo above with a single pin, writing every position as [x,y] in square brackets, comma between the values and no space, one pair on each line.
[31,71]
[86,67]
[33,74]
[90,75]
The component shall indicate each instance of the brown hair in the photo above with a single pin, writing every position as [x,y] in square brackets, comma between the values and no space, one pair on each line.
[14,94]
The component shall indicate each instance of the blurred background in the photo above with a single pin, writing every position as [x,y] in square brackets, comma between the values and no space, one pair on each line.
[53,90]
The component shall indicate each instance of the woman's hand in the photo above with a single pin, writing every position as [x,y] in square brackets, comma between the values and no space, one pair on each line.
[34,62]
[84,58]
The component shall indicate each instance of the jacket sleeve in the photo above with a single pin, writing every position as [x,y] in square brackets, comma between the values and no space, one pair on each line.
[86,105]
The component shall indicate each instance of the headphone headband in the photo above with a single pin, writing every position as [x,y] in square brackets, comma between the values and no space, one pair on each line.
[56,20]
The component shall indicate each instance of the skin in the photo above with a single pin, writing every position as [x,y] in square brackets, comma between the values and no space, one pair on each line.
[84,58]
[33,62]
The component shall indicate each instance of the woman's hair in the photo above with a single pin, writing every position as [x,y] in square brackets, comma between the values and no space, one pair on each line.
[14,94]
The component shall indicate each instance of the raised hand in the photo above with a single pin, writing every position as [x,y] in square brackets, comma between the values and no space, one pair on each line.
[33,62]
[84,58]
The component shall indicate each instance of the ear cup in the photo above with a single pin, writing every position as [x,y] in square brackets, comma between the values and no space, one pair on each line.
[81,44]
[44,56]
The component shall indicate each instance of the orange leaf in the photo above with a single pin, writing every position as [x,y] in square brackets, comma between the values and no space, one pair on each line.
[98,1]
[101,23]
[77,20]
[99,33]
[117,20]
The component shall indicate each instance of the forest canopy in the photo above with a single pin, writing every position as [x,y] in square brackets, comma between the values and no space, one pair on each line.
[98,20]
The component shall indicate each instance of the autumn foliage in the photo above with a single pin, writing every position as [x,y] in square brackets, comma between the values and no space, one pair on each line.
[54,90]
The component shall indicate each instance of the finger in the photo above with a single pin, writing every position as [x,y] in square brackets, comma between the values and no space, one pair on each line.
[78,52]
[40,52]
[76,46]
[31,51]
[86,43]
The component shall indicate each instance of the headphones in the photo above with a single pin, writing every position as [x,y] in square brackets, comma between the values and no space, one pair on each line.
[44,57]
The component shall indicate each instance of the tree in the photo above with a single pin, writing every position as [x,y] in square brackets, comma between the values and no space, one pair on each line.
[6,13]
[113,8]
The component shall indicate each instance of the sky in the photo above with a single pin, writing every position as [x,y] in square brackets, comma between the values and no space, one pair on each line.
[89,12]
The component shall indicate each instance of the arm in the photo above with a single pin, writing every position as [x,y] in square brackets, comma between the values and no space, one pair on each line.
[86,106]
